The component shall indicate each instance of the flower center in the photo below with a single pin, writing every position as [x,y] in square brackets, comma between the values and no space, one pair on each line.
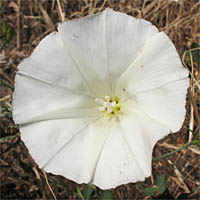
[110,106]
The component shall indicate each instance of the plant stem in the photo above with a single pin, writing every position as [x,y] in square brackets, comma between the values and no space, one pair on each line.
[172,152]
[79,193]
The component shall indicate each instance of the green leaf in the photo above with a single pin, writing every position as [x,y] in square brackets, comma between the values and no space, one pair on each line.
[106,195]
[5,110]
[149,191]
[194,45]
[9,34]
[87,191]
[195,53]
[160,183]
[4,29]
[196,140]
[157,189]
[5,84]
[184,49]
[79,193]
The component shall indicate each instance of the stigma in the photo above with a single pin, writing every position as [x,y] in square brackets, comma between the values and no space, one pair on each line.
[110,106]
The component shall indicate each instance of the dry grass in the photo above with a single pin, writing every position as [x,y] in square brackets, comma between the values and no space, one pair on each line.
[32,20]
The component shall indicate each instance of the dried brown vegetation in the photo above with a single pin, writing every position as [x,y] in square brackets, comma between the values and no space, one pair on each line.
[31,21]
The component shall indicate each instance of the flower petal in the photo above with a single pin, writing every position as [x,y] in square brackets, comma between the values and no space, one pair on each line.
[157,65]
[35,100]
[157,82]
[96,151]
[48,86]
[85,40]
[103,45]
[165,104]
[126,37]
[127,153]
[116,165]
[68,147]
[51,63]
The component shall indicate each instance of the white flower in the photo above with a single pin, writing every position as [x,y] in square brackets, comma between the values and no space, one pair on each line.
[94,98]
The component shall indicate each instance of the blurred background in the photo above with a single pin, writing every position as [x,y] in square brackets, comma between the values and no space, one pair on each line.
[175,175]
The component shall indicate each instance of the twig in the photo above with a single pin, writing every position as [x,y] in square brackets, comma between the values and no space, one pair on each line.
[46,18]
[170,146]
[195,108]
[194,167]
[191,122]
[172,152]
[52,5]
[180,180]
[180,21]
[8,138]
[7,77]
[147,10]
[47,182]
[152,179]
[5,98]
[191,74]
[18,24]
[60,11]
[36,173]
[194,150]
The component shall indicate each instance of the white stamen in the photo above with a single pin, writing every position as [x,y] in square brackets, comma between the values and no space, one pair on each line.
[99,101]
[105,104]
[101,108]
[107,98]
[109,110]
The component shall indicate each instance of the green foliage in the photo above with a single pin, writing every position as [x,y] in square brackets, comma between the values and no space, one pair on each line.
[160,183]
[5,110]
[149,191]
[88,189]
[196,140]
[80,193]
[195,53]
[5,84]
[7,34]
[157,189]
[4,29]
[106,195]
